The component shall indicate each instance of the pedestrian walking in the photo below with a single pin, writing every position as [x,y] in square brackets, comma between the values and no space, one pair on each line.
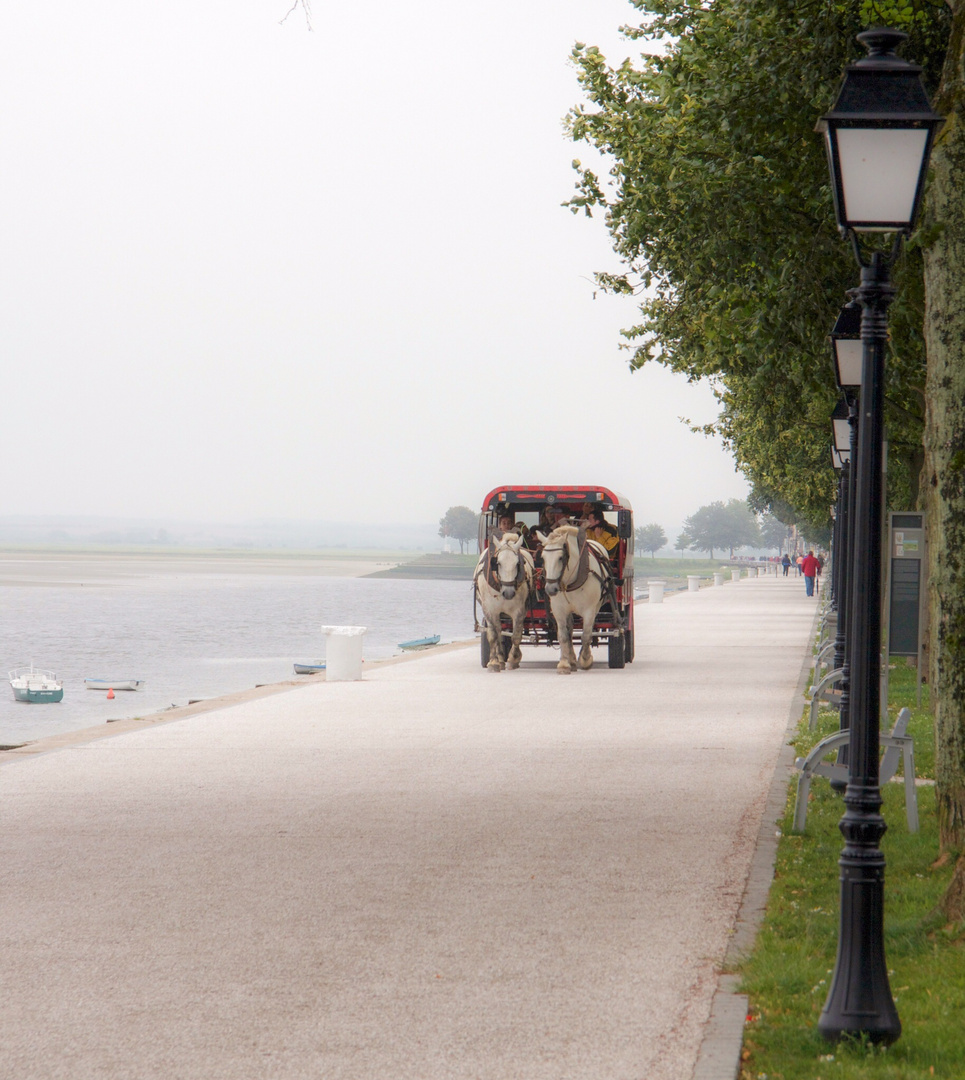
[786,563]
[810,568]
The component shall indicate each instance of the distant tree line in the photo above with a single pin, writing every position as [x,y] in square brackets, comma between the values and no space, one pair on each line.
[719,526]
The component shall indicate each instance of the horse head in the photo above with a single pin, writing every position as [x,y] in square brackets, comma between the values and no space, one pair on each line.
[507,568]
[557,554]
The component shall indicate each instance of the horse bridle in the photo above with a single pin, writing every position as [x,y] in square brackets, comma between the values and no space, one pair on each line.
[565,548]
[496,582]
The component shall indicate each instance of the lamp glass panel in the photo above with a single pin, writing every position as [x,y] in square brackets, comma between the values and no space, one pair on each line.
[850,354]
[880,168]
[842,435]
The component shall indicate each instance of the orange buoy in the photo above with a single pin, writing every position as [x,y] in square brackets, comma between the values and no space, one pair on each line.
[110,695]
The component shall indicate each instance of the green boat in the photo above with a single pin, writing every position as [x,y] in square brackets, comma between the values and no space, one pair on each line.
[35,686]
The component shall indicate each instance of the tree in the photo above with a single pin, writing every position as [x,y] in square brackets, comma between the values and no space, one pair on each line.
[722,525]
[943,238]
[682,543]
[650,538]
[773,532]
[461,524]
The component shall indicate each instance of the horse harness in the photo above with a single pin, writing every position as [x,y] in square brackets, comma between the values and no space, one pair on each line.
[583,572]
[492,572]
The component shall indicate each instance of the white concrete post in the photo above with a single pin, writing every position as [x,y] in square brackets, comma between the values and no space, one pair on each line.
[343,653]
[693,582]
[656,591]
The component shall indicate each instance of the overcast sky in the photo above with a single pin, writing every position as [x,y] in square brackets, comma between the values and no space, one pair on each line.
[249,270]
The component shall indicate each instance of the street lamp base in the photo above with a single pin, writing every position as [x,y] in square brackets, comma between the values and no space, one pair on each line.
[859,1002]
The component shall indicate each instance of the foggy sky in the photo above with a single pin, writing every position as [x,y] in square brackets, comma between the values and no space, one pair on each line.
[250,270]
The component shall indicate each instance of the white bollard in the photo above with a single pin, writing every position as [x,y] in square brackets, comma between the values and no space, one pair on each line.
[762,571]
[343,653]
[719,577]
[735,573]
[656,591]
[693,582]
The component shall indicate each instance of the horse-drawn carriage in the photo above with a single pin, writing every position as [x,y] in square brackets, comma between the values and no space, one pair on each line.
[542,576]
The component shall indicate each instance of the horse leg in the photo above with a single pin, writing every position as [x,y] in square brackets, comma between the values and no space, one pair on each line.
[567,655]
[516,653]
[586,651]
[495,635]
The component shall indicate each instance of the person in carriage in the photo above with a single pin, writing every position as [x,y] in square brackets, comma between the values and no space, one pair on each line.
[600,530]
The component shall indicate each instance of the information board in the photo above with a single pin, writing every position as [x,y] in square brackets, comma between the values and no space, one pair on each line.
[906,573]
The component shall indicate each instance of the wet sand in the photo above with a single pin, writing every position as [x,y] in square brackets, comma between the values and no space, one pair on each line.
[84,568]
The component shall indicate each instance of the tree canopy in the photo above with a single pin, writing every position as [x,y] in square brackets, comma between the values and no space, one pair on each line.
[719,207]
[729,525]
[460,523]
[650,538]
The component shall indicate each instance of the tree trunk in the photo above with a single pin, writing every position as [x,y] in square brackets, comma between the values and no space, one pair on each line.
[945,455]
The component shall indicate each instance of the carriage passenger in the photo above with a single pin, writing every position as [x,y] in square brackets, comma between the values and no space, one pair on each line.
[549,518]
[600,530]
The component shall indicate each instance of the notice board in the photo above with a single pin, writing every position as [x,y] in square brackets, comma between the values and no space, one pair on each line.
[906,576]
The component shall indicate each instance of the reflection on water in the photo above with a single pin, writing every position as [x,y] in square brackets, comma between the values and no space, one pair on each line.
[199,635]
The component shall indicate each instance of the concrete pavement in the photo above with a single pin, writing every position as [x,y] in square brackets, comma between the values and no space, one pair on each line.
[437,872]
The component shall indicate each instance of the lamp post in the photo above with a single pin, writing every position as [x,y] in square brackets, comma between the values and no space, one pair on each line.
[843,421]
[841,460]
[847,354]
[878,136]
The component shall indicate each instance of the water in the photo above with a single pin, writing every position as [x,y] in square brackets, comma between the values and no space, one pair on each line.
[198,635]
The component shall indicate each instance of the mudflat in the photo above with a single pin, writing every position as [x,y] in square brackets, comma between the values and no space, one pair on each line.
[78,568]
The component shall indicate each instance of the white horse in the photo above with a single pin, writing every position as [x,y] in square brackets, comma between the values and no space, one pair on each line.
[577,583]
[504,581]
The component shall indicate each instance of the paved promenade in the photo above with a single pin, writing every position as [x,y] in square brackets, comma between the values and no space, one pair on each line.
[437,873]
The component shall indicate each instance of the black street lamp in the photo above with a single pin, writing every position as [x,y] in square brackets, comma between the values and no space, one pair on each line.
[879,135]
[840,454]
[846,349]
[844,421]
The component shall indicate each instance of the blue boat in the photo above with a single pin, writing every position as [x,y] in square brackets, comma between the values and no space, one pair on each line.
[310,669]
[420,643]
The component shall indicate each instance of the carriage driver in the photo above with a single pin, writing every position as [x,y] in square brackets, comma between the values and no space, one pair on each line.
[549,518]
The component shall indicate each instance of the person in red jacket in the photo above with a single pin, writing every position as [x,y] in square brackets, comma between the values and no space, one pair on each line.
[810,567]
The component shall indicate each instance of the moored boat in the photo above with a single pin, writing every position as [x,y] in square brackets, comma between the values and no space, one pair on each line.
[310,669]
[34,686]
[420,643]
[114,684]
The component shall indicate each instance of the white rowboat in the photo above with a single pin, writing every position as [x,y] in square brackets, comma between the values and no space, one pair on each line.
[110,684]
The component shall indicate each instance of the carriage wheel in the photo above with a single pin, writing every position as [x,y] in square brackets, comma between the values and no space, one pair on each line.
[616,652]
[484,648]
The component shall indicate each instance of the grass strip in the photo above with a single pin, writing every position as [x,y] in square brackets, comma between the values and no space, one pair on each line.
[788,972]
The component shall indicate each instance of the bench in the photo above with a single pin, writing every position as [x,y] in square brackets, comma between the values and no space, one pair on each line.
[899,746]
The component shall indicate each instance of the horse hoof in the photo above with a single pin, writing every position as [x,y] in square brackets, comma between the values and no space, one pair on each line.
[563,669]
[585,665]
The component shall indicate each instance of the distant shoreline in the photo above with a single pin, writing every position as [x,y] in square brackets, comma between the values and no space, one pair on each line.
[104,566]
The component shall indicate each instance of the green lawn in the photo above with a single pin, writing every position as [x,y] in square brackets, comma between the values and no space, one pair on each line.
[787,974]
